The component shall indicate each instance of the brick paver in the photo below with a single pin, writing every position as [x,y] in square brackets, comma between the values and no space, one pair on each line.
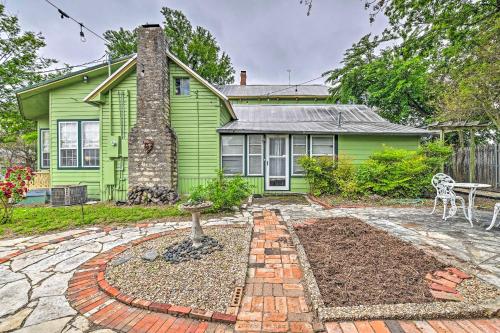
[273,299]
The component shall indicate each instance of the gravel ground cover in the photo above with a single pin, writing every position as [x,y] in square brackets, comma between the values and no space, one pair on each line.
[207,283]
[356,264]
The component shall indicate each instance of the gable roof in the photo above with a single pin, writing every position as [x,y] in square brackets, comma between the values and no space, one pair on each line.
[314,119]
[125,68]
[265,91]
[33,100]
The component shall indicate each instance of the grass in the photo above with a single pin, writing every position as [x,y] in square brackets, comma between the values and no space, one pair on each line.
[41,219]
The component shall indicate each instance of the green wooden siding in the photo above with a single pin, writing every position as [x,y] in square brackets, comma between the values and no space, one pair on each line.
[360,147]
[66,103]
[118,116]
[194,119]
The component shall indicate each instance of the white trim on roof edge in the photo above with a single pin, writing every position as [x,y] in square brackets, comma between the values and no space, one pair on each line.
[133,59]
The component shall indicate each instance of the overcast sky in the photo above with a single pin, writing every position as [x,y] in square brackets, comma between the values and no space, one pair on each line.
[264,37]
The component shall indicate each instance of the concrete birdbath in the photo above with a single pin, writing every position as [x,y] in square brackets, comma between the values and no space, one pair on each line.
[195,209]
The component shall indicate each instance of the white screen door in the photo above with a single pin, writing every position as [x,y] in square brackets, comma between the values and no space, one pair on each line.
[277,162]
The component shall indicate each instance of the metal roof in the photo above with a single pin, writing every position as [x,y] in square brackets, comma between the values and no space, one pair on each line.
[313,119]
[313,90]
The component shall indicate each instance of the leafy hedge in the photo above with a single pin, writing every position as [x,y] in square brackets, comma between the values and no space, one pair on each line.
[390,172]
[223,192]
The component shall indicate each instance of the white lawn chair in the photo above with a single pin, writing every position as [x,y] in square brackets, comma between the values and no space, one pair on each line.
[495,214]
[444,191]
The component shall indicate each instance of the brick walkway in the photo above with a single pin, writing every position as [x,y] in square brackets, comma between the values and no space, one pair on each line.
[274,299]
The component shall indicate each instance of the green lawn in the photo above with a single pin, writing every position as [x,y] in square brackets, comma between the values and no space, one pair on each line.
[32,220]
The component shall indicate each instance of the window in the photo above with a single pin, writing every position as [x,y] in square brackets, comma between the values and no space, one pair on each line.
[322,146]
[299,149]
[68,144]
[90,143]
[255,153]
[232,154]
[182,86]
[44,149]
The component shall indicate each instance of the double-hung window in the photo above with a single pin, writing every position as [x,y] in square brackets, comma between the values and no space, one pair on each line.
[68,144]
[233,151]
[44,149]
[322,146]
[299,149]
[90,144]
[255,153]
[78,144]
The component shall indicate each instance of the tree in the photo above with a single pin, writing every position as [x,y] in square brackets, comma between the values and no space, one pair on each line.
[196,47]
[20,65]
[473,90]
[402,71]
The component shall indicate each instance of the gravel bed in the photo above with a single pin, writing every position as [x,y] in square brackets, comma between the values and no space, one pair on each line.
[480,299]
[207,283]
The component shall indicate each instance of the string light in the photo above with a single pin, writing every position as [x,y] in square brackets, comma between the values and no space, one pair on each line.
[82,26]
[82,35]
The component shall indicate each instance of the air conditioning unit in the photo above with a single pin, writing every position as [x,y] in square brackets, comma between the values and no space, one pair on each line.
[68,195]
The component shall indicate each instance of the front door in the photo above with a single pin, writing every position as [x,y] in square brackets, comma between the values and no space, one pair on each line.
[277,163]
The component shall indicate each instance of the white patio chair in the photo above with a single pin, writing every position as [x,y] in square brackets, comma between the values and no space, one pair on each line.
[444,191]
[495,214]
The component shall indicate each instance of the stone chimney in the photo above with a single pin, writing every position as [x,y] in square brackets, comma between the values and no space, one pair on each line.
[152,160]
[243,78]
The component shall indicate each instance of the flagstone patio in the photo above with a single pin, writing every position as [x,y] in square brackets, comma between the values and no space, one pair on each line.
[35,272]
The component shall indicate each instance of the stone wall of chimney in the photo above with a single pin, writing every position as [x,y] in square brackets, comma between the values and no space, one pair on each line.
[152,145]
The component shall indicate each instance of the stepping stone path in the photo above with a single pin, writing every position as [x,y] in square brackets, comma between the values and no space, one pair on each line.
[40,278]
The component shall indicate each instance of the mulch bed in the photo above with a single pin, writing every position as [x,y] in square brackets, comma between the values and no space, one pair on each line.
[357,264]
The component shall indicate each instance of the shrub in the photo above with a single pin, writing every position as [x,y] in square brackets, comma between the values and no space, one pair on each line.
[223,192]
[402,173]
[13,189]
[330,176]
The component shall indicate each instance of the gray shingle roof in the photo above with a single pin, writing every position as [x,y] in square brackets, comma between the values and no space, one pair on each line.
[273,90]
[313,119]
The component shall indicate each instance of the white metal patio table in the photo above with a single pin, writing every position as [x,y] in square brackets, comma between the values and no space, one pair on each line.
[472,187]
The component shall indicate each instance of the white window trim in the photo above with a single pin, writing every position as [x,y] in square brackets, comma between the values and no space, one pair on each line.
[318,136]
[81,142]
[242,155]
[293,153]
[45,131]
[59,145]
[261,155]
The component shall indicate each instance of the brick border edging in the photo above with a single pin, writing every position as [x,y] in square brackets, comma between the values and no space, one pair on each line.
[400,311]
[98,266]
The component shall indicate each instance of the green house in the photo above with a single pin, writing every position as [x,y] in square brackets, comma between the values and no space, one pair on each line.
[149,120]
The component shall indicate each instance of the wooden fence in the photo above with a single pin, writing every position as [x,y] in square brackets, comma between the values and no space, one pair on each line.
[487,165]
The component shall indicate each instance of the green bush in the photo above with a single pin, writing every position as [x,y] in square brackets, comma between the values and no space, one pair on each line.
[330,176]
[223,192]
[402,173]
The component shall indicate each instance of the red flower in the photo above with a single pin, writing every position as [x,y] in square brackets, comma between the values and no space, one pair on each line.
[28,178]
